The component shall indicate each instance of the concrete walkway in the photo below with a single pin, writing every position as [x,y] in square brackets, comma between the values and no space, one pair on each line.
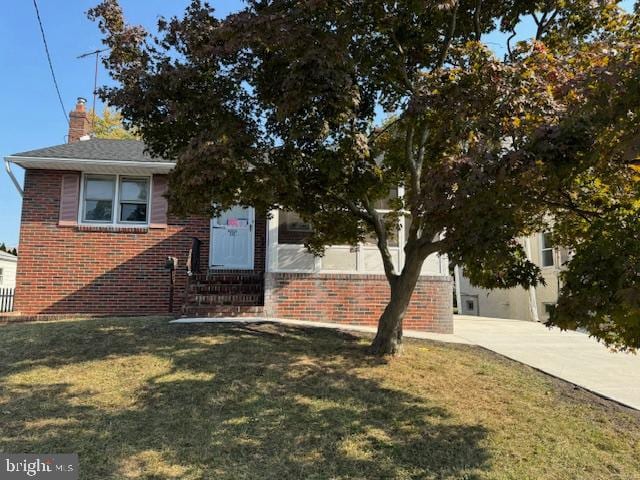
[571,356]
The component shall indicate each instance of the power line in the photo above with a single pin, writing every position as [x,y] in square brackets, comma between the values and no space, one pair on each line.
[46,48]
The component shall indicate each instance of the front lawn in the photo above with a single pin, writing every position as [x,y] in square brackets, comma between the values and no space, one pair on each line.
[139,398]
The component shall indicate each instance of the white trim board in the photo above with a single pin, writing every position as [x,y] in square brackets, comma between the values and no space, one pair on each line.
[92,166]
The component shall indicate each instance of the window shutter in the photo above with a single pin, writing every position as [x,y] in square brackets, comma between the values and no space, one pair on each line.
[69,199]
[159,204]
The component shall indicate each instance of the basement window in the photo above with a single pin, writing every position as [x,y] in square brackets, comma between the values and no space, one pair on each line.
[549,308]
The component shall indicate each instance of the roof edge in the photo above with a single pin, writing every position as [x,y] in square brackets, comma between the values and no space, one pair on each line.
[84,161]
[8,256]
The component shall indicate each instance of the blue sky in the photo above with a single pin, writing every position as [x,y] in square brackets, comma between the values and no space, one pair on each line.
[31,115]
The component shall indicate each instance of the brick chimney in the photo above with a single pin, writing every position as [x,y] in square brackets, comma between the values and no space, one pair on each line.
[79,124]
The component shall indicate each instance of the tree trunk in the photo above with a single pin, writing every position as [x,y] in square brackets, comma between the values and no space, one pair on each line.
[388,340]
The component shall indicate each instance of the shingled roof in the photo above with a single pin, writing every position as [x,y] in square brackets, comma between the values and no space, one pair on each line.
[95,149]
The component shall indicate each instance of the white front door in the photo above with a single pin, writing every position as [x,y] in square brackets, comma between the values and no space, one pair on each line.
[232,240]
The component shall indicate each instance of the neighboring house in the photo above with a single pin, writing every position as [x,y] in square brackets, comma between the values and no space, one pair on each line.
[518,303]
[8,264]
[100,206]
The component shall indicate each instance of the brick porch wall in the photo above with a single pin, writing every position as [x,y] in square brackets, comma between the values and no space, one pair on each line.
[69,270]
[356,299]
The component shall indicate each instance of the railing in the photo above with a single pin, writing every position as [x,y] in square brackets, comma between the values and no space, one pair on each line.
[193,267]
[193,259]
[6,299]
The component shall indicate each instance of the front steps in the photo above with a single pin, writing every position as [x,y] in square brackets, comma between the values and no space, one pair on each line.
[224,293]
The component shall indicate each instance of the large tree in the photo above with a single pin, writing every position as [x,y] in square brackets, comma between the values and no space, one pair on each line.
[324,106]
[110,125]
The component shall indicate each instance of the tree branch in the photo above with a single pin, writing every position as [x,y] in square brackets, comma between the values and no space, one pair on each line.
[379,133]
[416,225]
[383,244]
[403,55]
[511,37]
[476,20]
[408,146]
[543,22]
[363,215]
[586,215]
[419,161]
[449,37]
[416,162]
[426,247]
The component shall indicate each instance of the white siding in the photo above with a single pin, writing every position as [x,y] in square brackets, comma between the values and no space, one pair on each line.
[8,264]
[514,302]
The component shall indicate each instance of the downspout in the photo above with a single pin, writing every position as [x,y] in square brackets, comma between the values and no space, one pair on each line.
[7,166]
[533,299]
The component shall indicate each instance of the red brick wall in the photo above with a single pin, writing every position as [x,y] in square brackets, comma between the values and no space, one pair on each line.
[356,300]
[76,270]
[89,270]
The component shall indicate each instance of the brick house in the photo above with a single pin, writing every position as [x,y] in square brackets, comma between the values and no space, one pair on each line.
[96,233]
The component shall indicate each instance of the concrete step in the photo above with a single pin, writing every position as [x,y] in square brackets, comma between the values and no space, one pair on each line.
[224,289]
[225,299]
[222,310]
[218,278]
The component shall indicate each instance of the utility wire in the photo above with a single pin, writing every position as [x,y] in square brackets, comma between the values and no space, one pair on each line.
[53,75]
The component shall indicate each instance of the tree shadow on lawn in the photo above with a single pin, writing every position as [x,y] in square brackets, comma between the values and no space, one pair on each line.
[209,401]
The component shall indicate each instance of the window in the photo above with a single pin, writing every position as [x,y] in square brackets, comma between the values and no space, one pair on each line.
[134,198]
[546,250]
[549,308]
[1,276]
[99,193]
[471,306]
[294,223]
[292,229]
[113,199]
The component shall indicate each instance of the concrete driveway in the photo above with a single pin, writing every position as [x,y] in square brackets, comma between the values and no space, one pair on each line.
[571,356]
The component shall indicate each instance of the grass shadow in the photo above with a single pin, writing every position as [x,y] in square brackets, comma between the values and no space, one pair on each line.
[143,399]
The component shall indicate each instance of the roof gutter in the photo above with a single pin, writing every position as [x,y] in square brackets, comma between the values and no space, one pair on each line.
[83,161]
[7,166]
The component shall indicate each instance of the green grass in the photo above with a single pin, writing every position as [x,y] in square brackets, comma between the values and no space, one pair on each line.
[139,398]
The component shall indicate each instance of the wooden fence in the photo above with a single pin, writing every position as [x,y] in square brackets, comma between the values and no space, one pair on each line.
[6,299]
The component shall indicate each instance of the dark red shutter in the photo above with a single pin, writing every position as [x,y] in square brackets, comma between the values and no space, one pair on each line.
[159,204]
[69,199]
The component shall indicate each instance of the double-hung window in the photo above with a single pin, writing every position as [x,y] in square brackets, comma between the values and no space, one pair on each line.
[133,200]
[99,198]
[546,250]
[115,199]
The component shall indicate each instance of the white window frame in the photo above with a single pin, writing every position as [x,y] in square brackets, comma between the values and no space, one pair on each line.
[543,249]
[273,246]
[115,217]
